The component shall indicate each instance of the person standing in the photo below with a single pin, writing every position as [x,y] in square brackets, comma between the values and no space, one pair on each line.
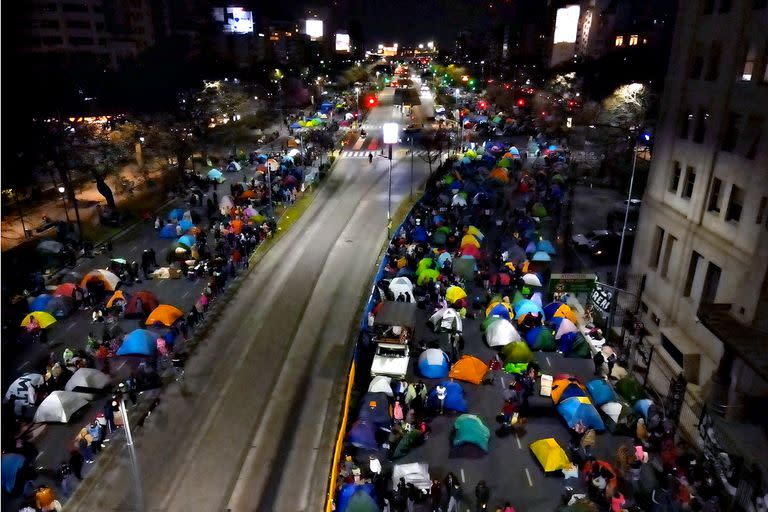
[83,442]
[482,495]
[599,360]
[441,394]
[455,494]
[436,495]
[96,433]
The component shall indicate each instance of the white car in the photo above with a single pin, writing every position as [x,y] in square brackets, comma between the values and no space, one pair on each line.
[391,359]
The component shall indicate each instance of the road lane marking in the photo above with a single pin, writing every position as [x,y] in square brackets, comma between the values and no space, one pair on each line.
[40,454]
[134,247]
[548,362]
[463,480]
[70,326]
[23,365]
[502,382]
[520,446]
[186,293]
[528,474]
[359,143]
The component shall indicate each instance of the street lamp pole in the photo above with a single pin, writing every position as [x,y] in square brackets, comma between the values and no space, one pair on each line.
[389,195]
[411,165]
[139,494]
[21,214]
[62,190]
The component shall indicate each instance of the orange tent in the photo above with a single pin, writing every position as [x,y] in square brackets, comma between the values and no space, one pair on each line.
[64,290]
[499,174]
[164,314]
[118,295]
[248,194]
[469,369]
[567,387]
[108,279]
[237,226]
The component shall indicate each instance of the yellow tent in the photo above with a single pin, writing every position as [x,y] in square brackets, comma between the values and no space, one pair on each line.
[472,230]
[567,388]
[454,293]
[469,240]
[469,369]
[43,318]
[118,295]
[565,311]
[496,303]
[550,454]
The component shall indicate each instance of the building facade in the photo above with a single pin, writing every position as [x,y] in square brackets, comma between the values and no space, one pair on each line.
[702,240]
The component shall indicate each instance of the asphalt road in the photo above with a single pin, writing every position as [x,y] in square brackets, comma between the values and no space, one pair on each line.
[254,425]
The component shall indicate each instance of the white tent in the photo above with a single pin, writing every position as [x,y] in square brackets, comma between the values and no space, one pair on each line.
[446,319]
[612,410]
[381,384]
[501,332]
[566,326]
[416,473]
[88,378]
[532,279]
[459,200]
[25,389]
[59,407]
[402,285]
[233,166]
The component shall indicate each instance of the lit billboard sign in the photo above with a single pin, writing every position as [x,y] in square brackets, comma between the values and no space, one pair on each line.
[342,43]
[314,29]
[567,24]
[236,20]
[390,133]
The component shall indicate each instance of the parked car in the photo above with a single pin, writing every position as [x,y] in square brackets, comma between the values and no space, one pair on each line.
[390,359]
[583,241]
[606,249]
[413,128]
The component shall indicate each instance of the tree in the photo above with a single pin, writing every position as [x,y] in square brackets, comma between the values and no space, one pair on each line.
[435,143]
[626,106]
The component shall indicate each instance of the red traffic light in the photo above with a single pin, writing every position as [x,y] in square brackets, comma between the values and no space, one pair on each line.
[520,102]
[371,101]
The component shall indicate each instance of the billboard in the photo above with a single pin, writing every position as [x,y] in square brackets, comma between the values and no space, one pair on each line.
[567,24]
[236,20]
[342,43]
[314,29]
[390,133]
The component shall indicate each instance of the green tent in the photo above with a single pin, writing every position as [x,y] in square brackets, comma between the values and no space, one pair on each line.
[469,428]
[517,298]
[504,162]
[428,275]
[410,440]
[619,416]
[630,390]
[424,264]
[517,352]
[361,502]
[545,340]
[439,237]
[444,229]
[580,347]
[538,210]
[518,368]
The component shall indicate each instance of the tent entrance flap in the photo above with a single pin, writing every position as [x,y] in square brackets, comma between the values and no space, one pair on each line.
[396,314]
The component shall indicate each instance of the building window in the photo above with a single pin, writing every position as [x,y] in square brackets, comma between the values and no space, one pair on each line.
[81,7]
[80,41]
[658,239]
[619,40]
[53,40]
[749,63]
[49,24]
[735,204]
[78,24]
[697,66]
[752,135]
[700,130]
[668,247]
[708,7]
[759,4]
[731,135]
[711,283]
[692,266]
[677,171]
[714,196]
[690,181]
[713,69]
[761,210]
[685,123]
[725,6]
[633,40]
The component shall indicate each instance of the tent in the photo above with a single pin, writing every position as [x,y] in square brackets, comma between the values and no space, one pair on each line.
[381,384]
[176,214]
[44,318]
[500,309]
[12,463]
[444,256]
[138,342]
[396,313]
[374,408]
[118,295]
[215,175]
[168,231]
[533,279]
[469,240]
[560,310]
[550,454]
[60,307]
[233,166]
[465,267]
[630,390]
[433,364]
[59,407]
[402,285]
[579,346]
[546,246]
[357,498]
[362,434]
[140,303]
[601,392]
[645,407]
[40,302]
[416,473]
[409,440]
[563,389]
[454,397]
[501,333]
[428,275]
[579,409]
[87,378]
[164,314]
[454,294]
[566,327]
[619,415]
[469,369]
[541,338]
[186,240]
[525,307]
[49,247]
[470,429]
[446,320]
[472,230]
[517,352]
[64,290]
[538,210]
[541,256]
[25,389]
[186,225]
[109,279]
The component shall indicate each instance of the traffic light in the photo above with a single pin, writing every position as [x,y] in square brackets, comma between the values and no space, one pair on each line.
[371,101]
[521,102]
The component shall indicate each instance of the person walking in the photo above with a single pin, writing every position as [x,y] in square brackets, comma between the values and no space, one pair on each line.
[482,495]
[83,443]
[96,432]
[370,158]
[436,495]
[599,360]
[455,494]
[441,394]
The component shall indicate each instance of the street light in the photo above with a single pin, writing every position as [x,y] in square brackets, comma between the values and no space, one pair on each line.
[62,190]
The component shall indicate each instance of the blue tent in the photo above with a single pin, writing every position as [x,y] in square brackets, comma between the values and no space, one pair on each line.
[580,409]
[528,306]
[601,392]
[546,246]
[176,214]
[500,310]
[456,186]
[454,397]
[374,409]
[168,231]
[420,234]
[566,342]
[442,258]
[556,321]
[540,256]
[530,248]
[11,464]
[326,107]
[262,158]
[295,125]
[362,495]
[214,174]
[642,406]
[433,364]
[362,434]
[40,302]
[139,342]
[188,240]
[186,225]
[551,308]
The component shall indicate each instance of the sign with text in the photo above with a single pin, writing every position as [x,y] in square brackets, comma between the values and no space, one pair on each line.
[601,299]
[572,283]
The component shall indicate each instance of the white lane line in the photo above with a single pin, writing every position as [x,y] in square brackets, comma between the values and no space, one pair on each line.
[160,281]
[502,383]
[548,362]
[463,480]
[134,247]
[186,293]
[23,365]
[359,143]
[40,454]
[519,446]
[528,474]
[70,326]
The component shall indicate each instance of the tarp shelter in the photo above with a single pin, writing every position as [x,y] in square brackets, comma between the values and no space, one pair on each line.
[579,409]
[40,302]
[164,314]
[619,415]
[501,333]
[550,454]
[107,278]
[43,318]
[470,429]
[454,397]
[59,407]
[168,231]
[64,290]
[139,342]
[416,473]
[25,389]
[465,268]
[541,338]
[381,384]
[357,498]
[402,285]
[563,389]
[374,407]
[362,434]
[10,466]
[90,378]
[396,314]
[600,391]
[433,364]
[60,307]
[500,309]
[517,352]
[446,320]
[469,369]
[630,390]
[141,303]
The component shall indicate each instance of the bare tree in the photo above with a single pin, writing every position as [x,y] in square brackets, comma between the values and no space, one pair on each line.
[435,143]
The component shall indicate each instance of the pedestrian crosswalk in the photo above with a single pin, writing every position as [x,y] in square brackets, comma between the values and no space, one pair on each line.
[364,153]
